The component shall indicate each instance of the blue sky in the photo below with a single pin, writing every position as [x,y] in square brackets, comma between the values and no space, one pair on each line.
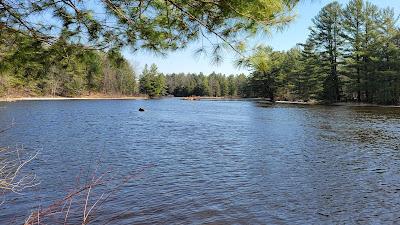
[296,32]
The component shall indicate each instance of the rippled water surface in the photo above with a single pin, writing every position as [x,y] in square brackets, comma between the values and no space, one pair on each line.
[213,162]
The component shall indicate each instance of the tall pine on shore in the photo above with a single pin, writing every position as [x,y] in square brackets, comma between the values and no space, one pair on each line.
[327,36]
[353,25]
[309,83]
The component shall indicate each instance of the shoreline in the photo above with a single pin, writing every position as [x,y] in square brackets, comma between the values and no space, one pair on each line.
[14,99]
[310,103]
[199,98]
[260,100]
[343,104]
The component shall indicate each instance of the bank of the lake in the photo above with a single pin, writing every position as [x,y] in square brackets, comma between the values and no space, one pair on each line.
[267,101]
[195,98]
[59,98]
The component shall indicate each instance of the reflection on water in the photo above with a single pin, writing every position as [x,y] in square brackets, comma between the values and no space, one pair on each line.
[216,162]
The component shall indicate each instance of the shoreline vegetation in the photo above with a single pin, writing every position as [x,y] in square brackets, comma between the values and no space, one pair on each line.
[267,101]
[59,98]
[336,66]
[190,98]
[75,52]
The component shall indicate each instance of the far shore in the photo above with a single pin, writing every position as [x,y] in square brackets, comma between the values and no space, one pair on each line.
[266,101]
[194,98]
[227,98]
[56,98]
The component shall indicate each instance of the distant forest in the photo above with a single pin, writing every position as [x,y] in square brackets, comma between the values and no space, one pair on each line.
[352,54]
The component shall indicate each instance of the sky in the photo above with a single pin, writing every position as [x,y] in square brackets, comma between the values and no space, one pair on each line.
[297,32]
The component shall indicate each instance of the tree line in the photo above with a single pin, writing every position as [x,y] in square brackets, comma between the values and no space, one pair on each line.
[214,85]
[29,67]
[71,48]
[156,84]
[352,54]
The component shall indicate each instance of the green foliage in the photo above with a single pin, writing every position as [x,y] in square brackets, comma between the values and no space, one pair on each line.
[152,82]
[266,66]
[157,25]
[215,85]
[309,82]
[352,54]
[327,35]
[29,67]
[353,25]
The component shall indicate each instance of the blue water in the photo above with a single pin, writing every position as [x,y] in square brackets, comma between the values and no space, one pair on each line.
[208,162]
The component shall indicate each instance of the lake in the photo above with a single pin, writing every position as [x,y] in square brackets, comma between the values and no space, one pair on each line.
[211,162]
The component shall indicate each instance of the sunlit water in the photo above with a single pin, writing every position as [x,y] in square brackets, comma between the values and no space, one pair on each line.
[212,162]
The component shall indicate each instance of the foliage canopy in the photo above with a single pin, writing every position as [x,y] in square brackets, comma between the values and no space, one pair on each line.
[156,25]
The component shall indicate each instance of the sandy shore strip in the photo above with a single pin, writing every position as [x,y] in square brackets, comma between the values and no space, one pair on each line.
[347,104]
[298,102]
[13,99]
[309,103]
[194,98]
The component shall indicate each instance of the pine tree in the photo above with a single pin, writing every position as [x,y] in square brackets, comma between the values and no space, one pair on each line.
[370,48]
[266,66]
[145,81]
[232,88]
[353,25]
[152,82]
[387,76]
[327,36]
[309,83]
[143,24]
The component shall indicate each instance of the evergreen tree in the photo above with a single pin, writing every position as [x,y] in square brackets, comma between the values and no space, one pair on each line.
[308,82]
[243,86]
[327,36]
[388,77]
[353,25]
[143,24]
[232,87]
[370,48]
[287,78]
[266,65]
[152,82]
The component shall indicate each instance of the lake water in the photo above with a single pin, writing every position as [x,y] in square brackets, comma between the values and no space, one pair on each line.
[211,162]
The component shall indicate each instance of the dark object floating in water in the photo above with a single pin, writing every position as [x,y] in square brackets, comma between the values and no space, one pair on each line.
[141,110]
